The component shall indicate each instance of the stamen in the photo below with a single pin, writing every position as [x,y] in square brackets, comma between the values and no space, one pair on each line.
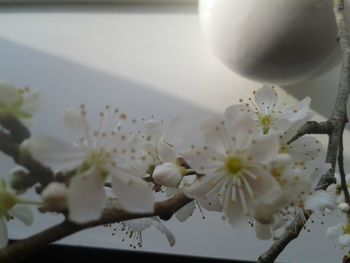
[243,200]
[248,187]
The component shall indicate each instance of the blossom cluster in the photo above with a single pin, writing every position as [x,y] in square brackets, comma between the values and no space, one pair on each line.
[249,168]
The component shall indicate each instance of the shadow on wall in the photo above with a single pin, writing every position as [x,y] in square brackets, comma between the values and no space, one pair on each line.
[65,83]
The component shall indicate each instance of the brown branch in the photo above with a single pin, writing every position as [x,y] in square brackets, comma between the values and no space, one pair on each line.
[312,127]
[344,185]
[291,232]
[18,131]
[24,248]
[334,125]
[10,145]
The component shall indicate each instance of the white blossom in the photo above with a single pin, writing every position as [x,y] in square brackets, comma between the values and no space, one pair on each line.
[19,103]
[235,162]
[160,141]
[96,156]
[341,232]
[271,115]
[336,188]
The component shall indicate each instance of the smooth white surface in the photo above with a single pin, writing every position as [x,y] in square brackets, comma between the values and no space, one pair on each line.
[278,42]
[145,61]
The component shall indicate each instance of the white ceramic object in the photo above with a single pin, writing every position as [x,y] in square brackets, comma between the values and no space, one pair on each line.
[273,41]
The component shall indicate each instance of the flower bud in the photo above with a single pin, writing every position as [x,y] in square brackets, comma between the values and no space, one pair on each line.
[21,181]
[55,197]
[167,174]
[344,207]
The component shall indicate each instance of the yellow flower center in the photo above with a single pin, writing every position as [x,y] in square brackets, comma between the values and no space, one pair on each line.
[7,201]
[284,149]
[99,159]
[346,229]
[234,165]
[265,122]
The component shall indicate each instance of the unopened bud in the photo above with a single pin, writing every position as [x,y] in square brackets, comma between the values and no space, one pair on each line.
[55,197]
[21,181]
[167,174]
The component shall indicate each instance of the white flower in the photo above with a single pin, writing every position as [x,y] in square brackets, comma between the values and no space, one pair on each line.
[298,189]
[271,116]
[336,188]
[133,229]
[302,150]
[160,141]
[11,207]
[340,232]
[186,211]
[97,155]
[235,161]
[55,196]
[19,103]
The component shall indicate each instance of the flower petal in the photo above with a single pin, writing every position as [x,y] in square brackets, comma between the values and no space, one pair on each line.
[334,231]
[153,131]
[133,192]
[264,149]
[86,196]
[172,132]
[54,153]
[204,184]
[210,203]
[233,210]
[240,128]
[280,125]
[3,233]
[262,231]
[139,224]
[75,122]
[319,201]
[8,93]
[305,148]
[23,213]
[298,112]
[344,240]
[32,103]
[185,212]
[203,160]
[165,231]
[264,184]
[166,153]
[266,98]
[215,135]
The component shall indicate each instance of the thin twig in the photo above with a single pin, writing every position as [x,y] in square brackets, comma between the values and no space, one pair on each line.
[10,145]
[18,131]
[313,127]
[342,172]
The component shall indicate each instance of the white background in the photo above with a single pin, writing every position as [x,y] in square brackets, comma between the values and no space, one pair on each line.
[146,60]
